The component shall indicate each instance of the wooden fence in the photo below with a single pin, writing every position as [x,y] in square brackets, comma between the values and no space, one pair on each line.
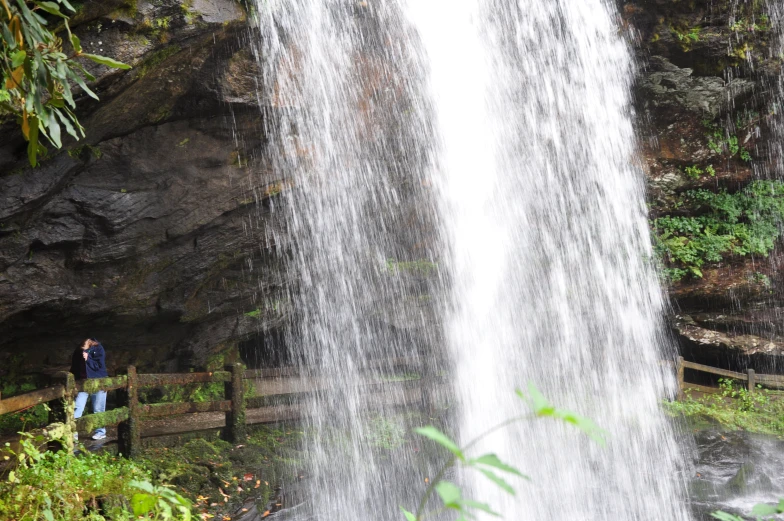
[130,414]
[751,378]
[240,410]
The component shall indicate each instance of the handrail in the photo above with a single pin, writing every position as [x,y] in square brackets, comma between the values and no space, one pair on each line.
[751,378]
[157,380]
[715,370]
[129,415]
[29,399]
[93,385]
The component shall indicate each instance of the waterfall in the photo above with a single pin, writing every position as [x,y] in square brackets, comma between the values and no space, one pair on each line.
[463,182]
[548,225]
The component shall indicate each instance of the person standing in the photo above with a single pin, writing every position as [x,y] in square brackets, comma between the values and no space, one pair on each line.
[89,361]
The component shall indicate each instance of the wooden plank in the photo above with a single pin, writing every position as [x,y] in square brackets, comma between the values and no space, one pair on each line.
[774,381]
[273,413]
[715,370]
[23,401]
[158,410]
[275,372]
[91,422]
[158,380]
[700,389]
[383,363]
[101,384]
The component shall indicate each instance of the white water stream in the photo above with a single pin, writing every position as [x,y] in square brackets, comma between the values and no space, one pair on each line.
[476,156]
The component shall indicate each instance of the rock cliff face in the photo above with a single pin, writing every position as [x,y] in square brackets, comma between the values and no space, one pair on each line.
[705,101]
[141,234]
[158,233]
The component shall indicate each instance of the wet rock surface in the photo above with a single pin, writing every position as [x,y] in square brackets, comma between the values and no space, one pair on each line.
[142,234]
[733,471]
[706,70]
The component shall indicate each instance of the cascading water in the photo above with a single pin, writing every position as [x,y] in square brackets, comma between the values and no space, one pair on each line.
[340,83]
[510,121]
[550,239]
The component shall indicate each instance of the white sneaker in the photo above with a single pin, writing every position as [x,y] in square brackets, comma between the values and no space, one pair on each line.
[98,436]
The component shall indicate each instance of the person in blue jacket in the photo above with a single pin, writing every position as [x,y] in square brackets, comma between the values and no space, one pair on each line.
[89,361]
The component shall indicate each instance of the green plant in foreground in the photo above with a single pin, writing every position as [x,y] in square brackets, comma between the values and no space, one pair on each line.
[760,512]
[37,74]
[94,487]
[489,465]
[161,503]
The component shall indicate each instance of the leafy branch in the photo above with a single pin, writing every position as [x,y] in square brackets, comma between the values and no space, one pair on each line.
[489,465]
[760,512]
[37,74]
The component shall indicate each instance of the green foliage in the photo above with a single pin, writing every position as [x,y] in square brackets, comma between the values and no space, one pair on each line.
[196,392]
[79,152]
[270,306]
[735,408]
[743,223]
[762,24]
[37,75]
[760,511]
[159,503]
[156,59]
[59,485]
[695,171]
[686,36]
[418,267]
[720,141]
[385,433]
[489,465]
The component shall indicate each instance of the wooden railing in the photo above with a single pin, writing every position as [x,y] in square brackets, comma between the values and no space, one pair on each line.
[130,414]
[751,378]
[276,384]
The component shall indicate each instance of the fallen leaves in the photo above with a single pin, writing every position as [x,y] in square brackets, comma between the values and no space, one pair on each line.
[225,495]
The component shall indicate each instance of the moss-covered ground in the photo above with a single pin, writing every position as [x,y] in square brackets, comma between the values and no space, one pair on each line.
[223,479]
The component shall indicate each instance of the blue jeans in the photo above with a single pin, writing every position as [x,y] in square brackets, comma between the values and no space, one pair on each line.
[99,405]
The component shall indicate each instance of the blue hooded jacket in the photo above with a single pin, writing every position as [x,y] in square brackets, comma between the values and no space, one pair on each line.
[94,366]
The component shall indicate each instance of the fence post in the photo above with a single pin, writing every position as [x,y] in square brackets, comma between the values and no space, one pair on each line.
[62,410]
[235,418]
[752,380]
[680,369]
[130,431]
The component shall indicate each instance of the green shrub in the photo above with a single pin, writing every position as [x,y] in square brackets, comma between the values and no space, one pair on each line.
[737,224]
[94,487]
[734,407]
